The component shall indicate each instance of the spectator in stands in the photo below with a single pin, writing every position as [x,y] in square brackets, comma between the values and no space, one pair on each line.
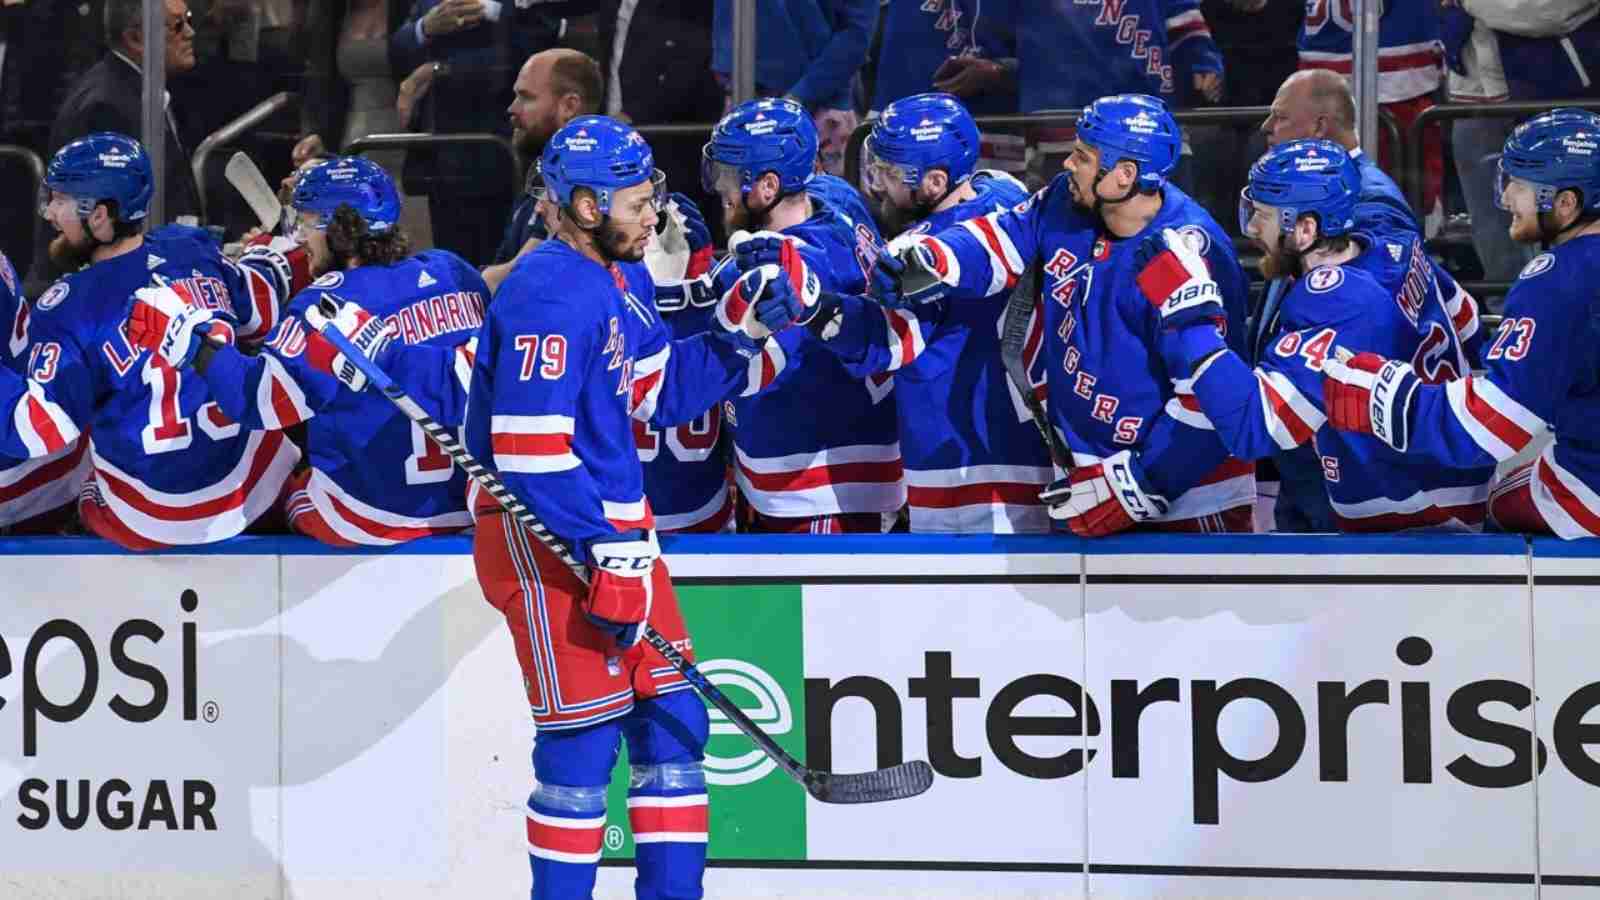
[1069,54]
[553,88]
[351,90]
[1500,50]
[808,51]
[962,47]
[660,71]
[109,97]
[1410,69]
[463,57]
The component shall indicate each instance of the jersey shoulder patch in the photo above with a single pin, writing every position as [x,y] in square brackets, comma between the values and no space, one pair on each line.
[1198,239]
[329,281]
[53,296]
[1324,279]
[1539,265]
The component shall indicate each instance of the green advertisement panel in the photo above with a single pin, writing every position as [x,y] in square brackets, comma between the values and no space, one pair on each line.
[748,642]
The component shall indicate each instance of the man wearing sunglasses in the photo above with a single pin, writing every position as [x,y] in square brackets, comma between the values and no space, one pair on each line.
[109,97]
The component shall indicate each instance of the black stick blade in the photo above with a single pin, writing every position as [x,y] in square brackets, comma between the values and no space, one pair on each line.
[894,783]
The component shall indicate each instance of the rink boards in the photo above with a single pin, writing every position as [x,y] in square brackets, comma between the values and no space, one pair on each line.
[1225,717]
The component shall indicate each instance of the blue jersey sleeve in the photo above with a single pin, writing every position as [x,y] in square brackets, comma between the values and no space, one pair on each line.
[1531,364]
[983,256]
[869,339]
[274,389]
[45,407]
[674,381]
[829,74]
[1190,45]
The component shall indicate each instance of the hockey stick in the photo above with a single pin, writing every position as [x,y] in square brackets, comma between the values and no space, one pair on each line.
[1020,307]
[247,179]
[894,783]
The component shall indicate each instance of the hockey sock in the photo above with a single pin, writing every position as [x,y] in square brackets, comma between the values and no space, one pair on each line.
[566,826]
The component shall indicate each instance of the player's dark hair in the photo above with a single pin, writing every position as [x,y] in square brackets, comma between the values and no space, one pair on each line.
[119,228]
[348,238]
[578,73]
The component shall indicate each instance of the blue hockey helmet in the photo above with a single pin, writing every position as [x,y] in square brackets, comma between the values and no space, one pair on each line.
[918,133]
[1299,178]
[1554,151]
[352,181]
[757,137]
[102,166]
[1134,127]
[601,154]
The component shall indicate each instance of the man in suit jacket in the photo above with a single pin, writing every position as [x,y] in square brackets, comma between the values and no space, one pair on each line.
[109,97]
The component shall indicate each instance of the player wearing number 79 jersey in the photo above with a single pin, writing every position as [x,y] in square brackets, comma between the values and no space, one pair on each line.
[170,467]
[374,478]
[1543,369]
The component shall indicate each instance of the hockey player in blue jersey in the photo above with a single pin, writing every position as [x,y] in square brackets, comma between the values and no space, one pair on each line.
[973,459]
[170,467]
[1543,367]
[817,452]
[1143,452]
[36,495]
[1353,289]
[571,352]
[374,479]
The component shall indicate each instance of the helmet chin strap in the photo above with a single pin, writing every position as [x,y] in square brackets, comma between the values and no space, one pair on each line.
[1100,202]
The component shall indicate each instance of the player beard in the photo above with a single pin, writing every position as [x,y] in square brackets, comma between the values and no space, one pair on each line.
[614,245]
[1279,263]
[68,256]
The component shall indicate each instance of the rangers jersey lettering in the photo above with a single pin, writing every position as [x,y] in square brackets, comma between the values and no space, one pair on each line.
[1072,52]
[1543,374]
[376,478]
[1115,377]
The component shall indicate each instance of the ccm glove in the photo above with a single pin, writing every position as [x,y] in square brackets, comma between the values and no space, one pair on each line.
[621,583]
[166,321]
[1368,394]
[1104,498]
[1177,282]
[370,335]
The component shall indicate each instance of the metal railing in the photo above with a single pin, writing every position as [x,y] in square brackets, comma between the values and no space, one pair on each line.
[1411,180]
[408,140]
[231,132]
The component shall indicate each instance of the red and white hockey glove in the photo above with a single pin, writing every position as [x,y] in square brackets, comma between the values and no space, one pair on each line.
[1104,498]
[166,321]
[1368,394]
[295,265]
[1174,277]
[370,335]
[621,584]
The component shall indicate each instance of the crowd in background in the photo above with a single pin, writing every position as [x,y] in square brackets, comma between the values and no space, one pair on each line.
[372,66]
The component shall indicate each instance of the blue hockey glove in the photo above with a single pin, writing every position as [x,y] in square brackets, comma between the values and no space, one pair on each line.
[909,275]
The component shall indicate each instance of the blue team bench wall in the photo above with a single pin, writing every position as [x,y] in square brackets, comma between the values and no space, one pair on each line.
[933,545]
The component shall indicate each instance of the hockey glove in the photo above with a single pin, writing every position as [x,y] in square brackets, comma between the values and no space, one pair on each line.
[167,322]
[779,305]
[1174,277]
[1104,498]
[911,274]
[620,585]
[737,310]
[696,232]
[1368,394]
[289,259]
[370,335]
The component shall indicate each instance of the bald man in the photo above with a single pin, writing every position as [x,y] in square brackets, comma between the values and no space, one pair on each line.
[552,88]
[1317,103]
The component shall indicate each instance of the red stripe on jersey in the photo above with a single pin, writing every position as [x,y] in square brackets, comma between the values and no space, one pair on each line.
[905,335]
[261,295]
[1230,468]
[712,524]
[282,406]
[1283,412]
[532,444]
[973,495]
[1421,59]
[1574,507]
[378,529]
[44,474]
[668,819]
[1189,402]
[643,386]
[1509,432]
[565,840]
[822,476]
[1467,514]
[45,426]
[993,240]
[1465,314]
[1187,29]
[265,453]
[941,263]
